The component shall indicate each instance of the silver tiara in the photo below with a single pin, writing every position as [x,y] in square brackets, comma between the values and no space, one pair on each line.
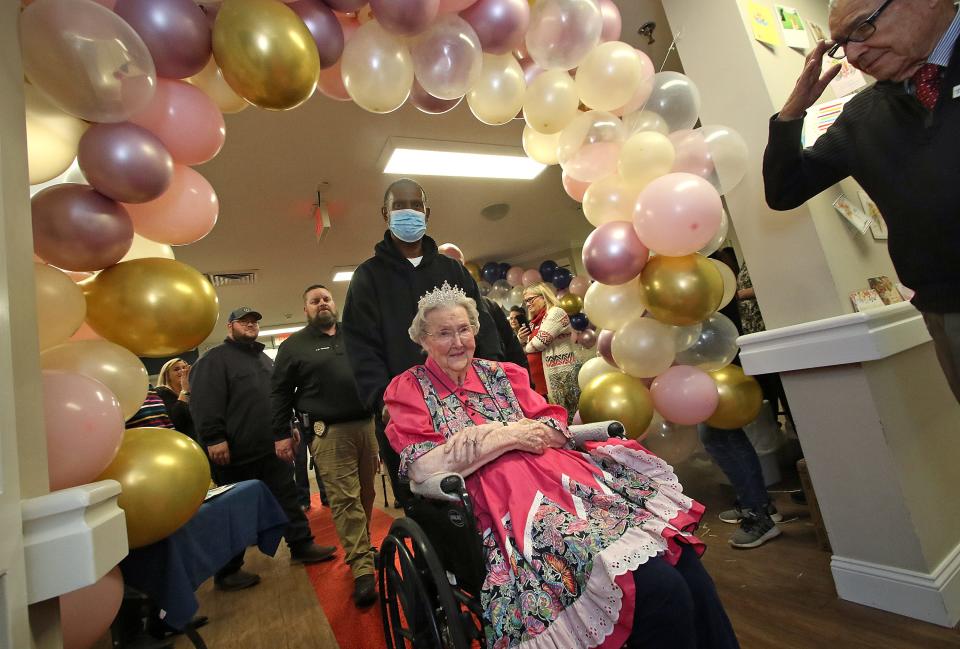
[445,295]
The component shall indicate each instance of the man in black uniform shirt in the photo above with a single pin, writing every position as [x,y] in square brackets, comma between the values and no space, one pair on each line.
[230,405]
[312,376]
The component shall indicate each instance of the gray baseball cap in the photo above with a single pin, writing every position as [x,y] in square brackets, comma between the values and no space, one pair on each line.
[242,311]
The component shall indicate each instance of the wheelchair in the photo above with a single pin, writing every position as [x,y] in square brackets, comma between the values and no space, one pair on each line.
[430,589]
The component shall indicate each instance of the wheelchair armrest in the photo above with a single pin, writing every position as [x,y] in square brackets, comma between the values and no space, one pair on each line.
[440,486]
[596,432]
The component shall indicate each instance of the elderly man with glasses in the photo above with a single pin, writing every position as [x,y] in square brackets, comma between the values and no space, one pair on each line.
[897,139]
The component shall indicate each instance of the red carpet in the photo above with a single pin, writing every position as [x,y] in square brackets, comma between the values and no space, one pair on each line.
[333,583]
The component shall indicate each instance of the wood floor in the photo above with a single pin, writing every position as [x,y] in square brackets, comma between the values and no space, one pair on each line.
[779,596]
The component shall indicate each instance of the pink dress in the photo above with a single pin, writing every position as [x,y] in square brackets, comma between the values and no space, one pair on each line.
[561,531]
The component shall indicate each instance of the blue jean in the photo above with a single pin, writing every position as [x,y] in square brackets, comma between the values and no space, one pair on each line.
[739,462]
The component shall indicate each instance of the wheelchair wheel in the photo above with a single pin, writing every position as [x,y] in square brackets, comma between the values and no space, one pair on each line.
[420,609]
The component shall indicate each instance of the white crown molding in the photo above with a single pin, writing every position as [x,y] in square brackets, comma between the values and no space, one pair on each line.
[933,597]
[851,338]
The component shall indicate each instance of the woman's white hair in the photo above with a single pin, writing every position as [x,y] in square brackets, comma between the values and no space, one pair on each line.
[444,297]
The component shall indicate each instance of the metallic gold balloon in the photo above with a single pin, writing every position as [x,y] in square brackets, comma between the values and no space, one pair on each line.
[154,307]
[164,476]
[266,53]
[681,290]
[571,303]
[619,397]
[474,270]
[740,398]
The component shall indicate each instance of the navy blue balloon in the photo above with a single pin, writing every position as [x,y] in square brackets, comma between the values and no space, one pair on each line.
[491,271]
[562,277]
[579,321]
[547,269]
[504,268]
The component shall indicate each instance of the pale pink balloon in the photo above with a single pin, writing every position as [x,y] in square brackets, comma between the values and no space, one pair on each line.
[593,161]
[579,285]
[605,345]
[84,425]
[530,277]
[85,333]
[452,6]
[86,613]
[349,24]
[186,120]
[451,250]
[561,292]
[515,276]
[677,214]
[612,22]
[183,214]
[577,420]
[330,83]
[575,188]
[685,395]
[692,154]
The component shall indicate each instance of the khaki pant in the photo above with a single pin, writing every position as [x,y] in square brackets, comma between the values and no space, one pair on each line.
[346,457]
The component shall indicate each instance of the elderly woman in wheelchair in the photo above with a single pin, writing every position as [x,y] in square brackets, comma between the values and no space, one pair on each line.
[581,547]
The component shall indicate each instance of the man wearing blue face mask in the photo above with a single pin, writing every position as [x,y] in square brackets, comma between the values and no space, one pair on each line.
[382,301]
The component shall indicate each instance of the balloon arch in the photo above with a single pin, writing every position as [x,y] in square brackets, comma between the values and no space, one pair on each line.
[133,92]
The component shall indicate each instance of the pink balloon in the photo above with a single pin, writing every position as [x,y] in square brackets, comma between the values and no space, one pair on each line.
[349,25]
[515,276]
[330,83]
[579,285]
[77,228]
[692,155]
[561,292]
[613,254]
[345,6]
[185,119]
[427,103]
[405,17]
[530,277]
[125,162]
[677,214]
[85,333]
[587,338]
[612,23]
[84,426]
[324,27]
[605,345]
[593,161]
[451,250]
[454,6]
[685,395]
[574,188]
[500,24]
[87,613]
[577,420]
[183,214]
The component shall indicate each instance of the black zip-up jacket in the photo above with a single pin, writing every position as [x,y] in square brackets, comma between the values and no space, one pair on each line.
[509,343]
[312,374]
[230,400]
[906,158]
[380,306]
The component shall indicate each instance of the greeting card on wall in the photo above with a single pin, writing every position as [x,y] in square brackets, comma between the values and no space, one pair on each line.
[866,300]
[852,214]
[885,289]
[764,23]
[794,33]
[820,117]
[878,227]
[817,32]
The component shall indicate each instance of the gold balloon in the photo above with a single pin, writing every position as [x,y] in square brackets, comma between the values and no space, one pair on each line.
[154,307]
[52,137]
[211,81]
[474,270]
[60,305]
[681,290]
[617,396]
[740,398]
[266,53]
[115,367]
[164,476]
[571,303]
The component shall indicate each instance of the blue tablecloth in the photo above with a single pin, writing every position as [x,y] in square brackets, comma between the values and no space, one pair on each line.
[170,570]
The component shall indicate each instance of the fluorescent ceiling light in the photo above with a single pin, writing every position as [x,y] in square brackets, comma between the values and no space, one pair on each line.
[276,331]
[342,275]
[427,162]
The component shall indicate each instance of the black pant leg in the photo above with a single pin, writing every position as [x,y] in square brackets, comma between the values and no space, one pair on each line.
[228,474]
[401,491]
[300,476]
[713,627]
[278,476]
[663,609]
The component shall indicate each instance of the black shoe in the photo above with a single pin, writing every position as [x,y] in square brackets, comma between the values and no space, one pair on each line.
[364,590]
[312,553]
[798,497]
[236,580]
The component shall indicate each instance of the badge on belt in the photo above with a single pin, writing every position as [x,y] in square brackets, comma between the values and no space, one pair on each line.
[319,428]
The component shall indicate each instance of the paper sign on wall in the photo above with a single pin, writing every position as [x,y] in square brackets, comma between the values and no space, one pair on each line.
[764,23]
[794,33]
[820,117]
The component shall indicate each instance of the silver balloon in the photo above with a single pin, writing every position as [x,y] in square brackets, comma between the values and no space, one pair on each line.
[484,287]
[717,241]
[676,99]
[715,347]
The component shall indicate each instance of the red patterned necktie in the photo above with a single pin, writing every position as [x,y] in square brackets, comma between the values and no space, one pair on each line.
[927,84]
